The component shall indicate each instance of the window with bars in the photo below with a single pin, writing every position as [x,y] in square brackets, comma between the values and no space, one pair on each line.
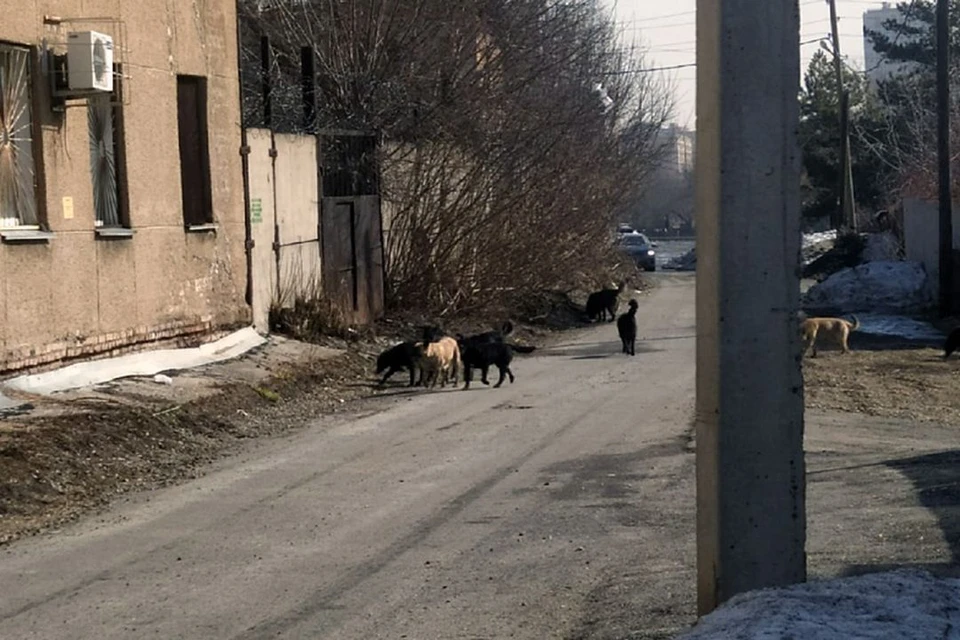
[107,167]
[18,194]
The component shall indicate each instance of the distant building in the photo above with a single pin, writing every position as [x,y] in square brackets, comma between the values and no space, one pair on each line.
[876,66]
[679,153]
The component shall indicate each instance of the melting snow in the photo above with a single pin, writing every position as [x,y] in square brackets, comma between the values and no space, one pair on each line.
[811,239]
[880,287]
[906,604]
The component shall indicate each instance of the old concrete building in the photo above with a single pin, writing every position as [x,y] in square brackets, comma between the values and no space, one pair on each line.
[121,210]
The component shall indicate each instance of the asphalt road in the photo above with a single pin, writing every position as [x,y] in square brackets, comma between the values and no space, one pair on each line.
[561,506]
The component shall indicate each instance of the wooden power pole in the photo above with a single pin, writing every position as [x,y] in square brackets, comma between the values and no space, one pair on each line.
[943,157]
[847,204]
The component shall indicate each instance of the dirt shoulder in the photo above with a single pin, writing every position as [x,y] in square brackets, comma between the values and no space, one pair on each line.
[885,378]
[75,452]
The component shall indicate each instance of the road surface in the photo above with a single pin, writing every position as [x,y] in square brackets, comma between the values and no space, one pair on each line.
[561,506]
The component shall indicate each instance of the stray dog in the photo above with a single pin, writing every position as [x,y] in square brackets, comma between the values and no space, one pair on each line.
[483,355]
[493,337]
[605,301]
[838,328]
[441,357]
[952,343]
[627,328]
[397,358]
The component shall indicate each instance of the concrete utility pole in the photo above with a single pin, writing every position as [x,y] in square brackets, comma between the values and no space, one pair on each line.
[847,200]
[751,523]
[943,157]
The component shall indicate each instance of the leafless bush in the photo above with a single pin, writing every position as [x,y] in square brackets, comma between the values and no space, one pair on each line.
[503,162]
[302,311]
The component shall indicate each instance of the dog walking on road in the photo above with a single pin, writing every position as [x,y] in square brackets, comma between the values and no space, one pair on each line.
[627,328]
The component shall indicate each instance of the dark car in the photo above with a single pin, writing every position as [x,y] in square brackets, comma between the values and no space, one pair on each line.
[639,247]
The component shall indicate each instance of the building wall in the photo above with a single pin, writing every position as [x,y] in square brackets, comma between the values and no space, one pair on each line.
[79,294]
[875,66]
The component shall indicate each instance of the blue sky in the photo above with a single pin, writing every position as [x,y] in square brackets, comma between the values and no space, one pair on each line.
[668,32]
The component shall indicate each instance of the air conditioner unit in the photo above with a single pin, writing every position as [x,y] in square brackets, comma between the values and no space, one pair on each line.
[89,62]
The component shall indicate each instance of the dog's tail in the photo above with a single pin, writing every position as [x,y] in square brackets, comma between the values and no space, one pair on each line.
[521,349]
[856,323]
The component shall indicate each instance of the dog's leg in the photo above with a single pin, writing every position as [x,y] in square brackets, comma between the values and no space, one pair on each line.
[844,336]
[503,375]
[633,347]
[413,376]
[386,376]
[484,371]
[510,373]
[467,376]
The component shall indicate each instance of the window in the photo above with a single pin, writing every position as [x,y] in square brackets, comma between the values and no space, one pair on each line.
[18,195]
[107,165]
[194,153]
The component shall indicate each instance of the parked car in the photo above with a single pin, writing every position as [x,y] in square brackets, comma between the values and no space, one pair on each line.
[639,247]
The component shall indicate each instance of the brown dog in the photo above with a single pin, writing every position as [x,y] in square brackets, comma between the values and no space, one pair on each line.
[440,357]
[838,328]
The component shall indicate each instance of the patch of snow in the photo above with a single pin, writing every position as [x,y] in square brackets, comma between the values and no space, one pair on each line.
[146,363]
[906,604]
[812,239]
[686,262]
[900,327]
[880,287]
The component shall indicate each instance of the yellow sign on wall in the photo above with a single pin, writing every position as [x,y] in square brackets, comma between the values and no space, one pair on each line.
[67,208]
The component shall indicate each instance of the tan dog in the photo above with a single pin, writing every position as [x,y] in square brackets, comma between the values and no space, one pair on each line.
[440,357]
[838,328]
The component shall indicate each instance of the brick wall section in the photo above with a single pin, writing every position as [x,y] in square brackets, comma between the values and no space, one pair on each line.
[184,333]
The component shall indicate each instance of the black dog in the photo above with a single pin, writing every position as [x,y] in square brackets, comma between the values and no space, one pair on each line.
[397,358]
[483,355]
[627,328]
[952,343]
[489,349]
[602,302]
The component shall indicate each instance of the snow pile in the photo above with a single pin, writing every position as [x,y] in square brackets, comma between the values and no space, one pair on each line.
[881,287]
[813,239]
[881,247]
[905,604]
[898,326]
[815,245]
[686,262]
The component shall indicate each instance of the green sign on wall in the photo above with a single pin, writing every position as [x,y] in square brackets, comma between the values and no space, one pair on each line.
[256,210]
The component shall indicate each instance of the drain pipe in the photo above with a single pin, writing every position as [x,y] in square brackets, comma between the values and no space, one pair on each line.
[245,163]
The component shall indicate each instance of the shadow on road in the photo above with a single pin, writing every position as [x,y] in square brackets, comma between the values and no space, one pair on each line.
[936,482]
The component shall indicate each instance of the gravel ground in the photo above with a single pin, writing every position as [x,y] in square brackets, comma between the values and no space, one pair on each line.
[900,382]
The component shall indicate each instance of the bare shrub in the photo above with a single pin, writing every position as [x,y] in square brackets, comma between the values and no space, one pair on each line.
[513,131]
